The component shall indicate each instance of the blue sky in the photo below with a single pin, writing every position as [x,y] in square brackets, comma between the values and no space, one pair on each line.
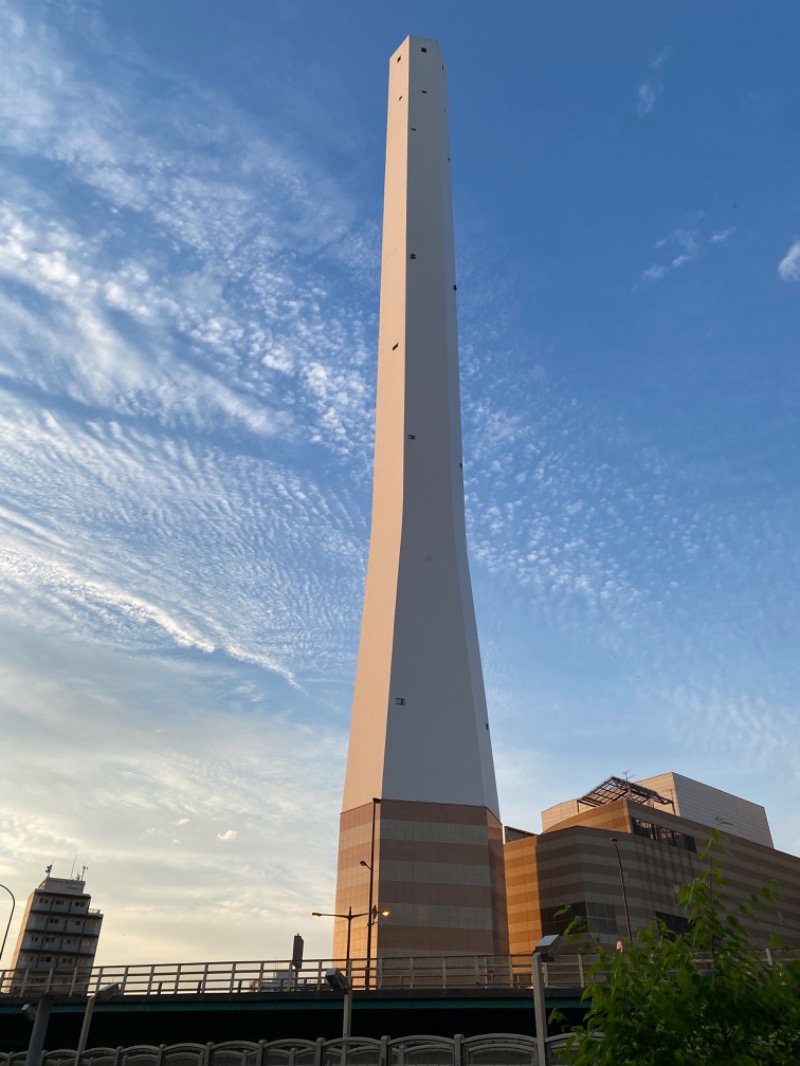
[189,262]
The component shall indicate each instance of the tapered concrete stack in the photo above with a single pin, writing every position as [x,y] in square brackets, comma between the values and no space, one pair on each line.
[419,741]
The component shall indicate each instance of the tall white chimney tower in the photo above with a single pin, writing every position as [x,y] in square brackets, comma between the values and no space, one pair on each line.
[420,822]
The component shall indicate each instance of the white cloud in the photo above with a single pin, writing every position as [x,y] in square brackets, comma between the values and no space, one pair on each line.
[179,319]
[229,834]
[691,244]
[789,266]
[646,96]
[649,91]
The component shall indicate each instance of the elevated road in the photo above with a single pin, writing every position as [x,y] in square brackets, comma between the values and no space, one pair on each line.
[216,1002]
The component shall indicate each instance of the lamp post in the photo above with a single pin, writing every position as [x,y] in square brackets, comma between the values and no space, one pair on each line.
[39,1014]
[341,983]
[371,915]
[100,996]
[349,919]
[615,842]
[545,951]
[8,923]
[372,907]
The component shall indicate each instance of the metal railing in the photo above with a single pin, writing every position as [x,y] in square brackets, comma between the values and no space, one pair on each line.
[234,978]
[490,1049]
[260,977]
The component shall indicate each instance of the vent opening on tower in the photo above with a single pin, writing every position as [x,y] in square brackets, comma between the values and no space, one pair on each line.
[412,256]
[423,49]
[400,701]
[395,346]
[412,436]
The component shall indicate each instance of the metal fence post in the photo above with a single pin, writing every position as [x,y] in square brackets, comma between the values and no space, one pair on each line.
[319,1051]
[458,1049]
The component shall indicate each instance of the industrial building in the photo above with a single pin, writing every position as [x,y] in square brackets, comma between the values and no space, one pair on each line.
[617,855]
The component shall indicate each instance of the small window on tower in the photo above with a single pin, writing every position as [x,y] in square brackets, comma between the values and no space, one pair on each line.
[423,49]
[400,701]
[395,346]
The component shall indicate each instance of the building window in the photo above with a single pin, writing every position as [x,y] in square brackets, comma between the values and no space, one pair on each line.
[598,917]
[663,835]
[674,925]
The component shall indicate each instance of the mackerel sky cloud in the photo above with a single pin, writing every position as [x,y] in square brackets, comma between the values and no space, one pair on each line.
[190,208]
[789,266]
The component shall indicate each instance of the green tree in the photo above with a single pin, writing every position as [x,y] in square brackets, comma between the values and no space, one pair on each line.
[705,997]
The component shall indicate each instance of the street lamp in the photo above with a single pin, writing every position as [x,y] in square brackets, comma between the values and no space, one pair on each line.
[349,919]
[339,983]
[615,842]
[100,996]
[8,923]
[372,906]
[545,951]
[372,916]
[39,1014]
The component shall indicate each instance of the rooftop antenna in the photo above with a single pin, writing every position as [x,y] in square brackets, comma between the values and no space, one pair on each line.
[72,871]
[83,872]
[48,870]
